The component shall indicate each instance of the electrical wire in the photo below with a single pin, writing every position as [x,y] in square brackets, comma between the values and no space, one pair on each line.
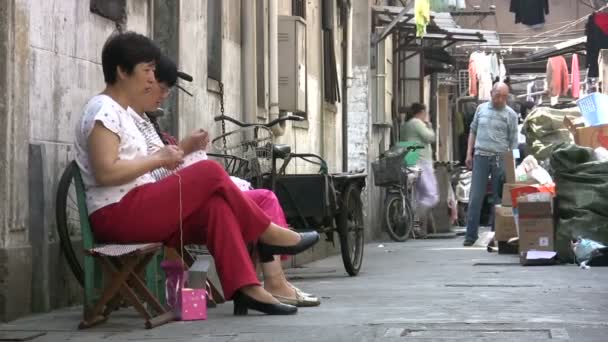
[562,28]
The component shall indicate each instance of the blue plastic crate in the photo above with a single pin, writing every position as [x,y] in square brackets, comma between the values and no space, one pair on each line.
[594,108]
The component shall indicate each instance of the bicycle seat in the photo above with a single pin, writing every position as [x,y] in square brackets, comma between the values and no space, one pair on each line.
[281,151]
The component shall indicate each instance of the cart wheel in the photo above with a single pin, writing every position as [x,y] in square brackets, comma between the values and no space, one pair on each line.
[398,217]
[68,219]
[351,230]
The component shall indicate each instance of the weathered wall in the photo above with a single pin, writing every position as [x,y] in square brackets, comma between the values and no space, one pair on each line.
[64,69]
[198,111]
[365,140]
[50,62]
[322,132]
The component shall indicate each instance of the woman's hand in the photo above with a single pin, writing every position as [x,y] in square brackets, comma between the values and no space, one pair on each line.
[170,156]
[195,141]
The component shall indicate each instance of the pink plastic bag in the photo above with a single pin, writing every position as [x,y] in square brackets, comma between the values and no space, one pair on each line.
[187,304]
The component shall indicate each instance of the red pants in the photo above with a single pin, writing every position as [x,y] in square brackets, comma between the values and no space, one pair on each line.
[269,203]
[214,212]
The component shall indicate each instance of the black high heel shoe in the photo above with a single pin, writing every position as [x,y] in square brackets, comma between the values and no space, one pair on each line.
[242,303]
[307,240]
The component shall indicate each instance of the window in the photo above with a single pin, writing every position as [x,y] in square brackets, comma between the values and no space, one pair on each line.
[298,7]
[214,39]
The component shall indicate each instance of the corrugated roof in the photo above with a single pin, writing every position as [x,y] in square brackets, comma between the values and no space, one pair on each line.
[442,26]
[568,46]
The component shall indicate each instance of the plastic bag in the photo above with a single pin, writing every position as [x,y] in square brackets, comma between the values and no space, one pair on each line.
[176,278]
[582,197]
[530,169]
[585,249]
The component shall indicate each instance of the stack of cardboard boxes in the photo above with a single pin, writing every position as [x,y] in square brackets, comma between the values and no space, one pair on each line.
[526,216]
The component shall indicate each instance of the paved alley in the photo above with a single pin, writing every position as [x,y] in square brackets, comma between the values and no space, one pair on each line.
[431,290]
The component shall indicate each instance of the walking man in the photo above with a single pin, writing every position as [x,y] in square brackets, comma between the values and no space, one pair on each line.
[493,131]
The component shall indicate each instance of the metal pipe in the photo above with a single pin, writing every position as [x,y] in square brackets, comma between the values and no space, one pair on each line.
[273,46]
[248,82]
[347,76]
[349,48]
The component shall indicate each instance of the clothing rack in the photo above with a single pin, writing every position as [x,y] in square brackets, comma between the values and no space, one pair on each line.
[542,92]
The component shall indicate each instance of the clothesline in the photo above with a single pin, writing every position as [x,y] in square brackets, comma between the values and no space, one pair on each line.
[564,27]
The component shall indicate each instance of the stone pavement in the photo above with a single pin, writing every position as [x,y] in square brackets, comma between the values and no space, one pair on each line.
[425,290]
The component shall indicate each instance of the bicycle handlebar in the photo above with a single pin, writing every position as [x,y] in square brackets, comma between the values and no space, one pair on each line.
[268,124]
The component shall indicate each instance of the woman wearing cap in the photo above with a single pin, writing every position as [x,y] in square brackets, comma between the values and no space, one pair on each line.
[167,76]
[196,204]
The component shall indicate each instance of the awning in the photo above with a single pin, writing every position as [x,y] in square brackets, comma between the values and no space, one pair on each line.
[568,46]
[441,27]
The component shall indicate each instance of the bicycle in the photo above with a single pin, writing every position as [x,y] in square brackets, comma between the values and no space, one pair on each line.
[319,201]
[399,217]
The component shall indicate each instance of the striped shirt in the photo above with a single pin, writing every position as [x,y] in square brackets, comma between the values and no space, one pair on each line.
[153,141]
[495,129]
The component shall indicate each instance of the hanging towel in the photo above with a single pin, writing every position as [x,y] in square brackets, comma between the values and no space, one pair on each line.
[576,78]
[557,76]
[422,16]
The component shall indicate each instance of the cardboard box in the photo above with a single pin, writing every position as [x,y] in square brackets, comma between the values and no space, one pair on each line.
[506,192]
[520,191]
[535,235]
[509,158]
[536,225]
[593,137]
[504,224]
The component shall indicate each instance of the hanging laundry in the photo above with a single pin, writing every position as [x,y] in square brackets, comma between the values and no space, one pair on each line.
[576,78]
[557,76]
[422,16]
[484,77]
[472,76]
[597,39]
[530,88]
[494,67]
[530,12]
[503,70]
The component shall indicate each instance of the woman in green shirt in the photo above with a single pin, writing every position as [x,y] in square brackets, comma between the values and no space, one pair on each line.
[417,128]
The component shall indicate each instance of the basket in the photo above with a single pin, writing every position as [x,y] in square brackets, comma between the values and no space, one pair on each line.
[594,108]
[387,171]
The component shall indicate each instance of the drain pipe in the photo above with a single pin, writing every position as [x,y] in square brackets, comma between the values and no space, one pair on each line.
[273,65]
[248,82]
[347,76]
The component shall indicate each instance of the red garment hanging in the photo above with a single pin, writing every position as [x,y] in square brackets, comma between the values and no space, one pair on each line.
[576,78]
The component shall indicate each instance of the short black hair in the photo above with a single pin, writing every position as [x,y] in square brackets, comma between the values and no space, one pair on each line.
[126,50]
[415,108]
[166,71]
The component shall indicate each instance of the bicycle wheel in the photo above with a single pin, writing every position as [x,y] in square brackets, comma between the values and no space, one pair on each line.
[398,217]
[351,229]
[68,220]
